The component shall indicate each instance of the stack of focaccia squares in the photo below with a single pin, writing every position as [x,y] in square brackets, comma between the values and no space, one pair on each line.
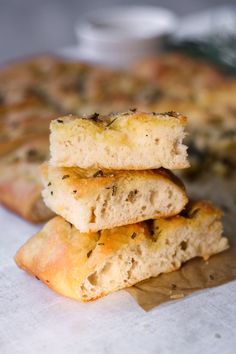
[124,216]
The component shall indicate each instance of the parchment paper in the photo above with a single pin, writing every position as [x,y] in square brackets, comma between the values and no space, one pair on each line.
[197,274]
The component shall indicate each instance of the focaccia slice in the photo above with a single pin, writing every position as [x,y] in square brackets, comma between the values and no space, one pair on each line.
[88,266]
[124,141]
[93,200]
[20,182]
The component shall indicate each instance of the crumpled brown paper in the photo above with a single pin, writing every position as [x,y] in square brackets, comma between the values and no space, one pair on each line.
[197,274]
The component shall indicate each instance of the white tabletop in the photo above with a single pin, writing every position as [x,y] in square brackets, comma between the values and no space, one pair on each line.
[33,319]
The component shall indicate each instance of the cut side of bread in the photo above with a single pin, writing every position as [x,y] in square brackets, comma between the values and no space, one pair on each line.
[93,200]
[88,266]
[125,141]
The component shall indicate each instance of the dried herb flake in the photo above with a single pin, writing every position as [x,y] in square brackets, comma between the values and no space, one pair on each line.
[32,155]
[98,174]
[89,253]
[65,176]
[94,116]
[133,235]
[114,190]
[183,245]
[109,124]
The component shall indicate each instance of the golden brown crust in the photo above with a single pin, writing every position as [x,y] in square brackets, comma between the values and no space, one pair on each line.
[63,258]
[115,120]
[85,181]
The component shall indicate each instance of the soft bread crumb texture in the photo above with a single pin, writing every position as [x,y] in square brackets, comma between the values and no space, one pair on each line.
[124,141]
[93,200]
[88,266]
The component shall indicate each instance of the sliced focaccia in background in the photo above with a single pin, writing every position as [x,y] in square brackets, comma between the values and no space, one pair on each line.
[85,89]
[207,97]
[20,182]
[178,75]
[20,123]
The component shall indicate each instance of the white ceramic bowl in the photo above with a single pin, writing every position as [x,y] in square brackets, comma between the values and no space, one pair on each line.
[121,34]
